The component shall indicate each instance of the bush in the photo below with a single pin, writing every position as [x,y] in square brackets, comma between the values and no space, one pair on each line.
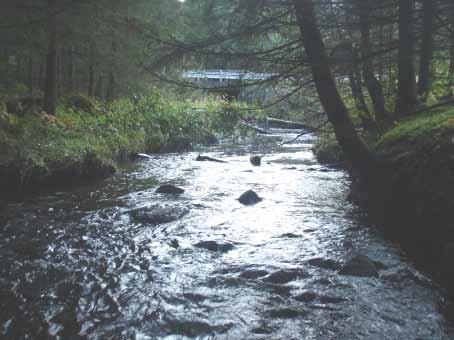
[327,150]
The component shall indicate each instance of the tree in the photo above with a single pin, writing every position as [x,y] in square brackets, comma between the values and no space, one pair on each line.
[338,115]
[406,92]
[50,95]
[373,85]
[427,48]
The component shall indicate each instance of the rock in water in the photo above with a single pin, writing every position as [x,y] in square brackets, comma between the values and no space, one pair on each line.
[250,197]
[361,266]
[169,189]
[159,215]
[214,246]
[256,160]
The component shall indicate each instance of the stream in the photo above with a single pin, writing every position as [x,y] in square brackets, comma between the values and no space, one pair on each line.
[77,265]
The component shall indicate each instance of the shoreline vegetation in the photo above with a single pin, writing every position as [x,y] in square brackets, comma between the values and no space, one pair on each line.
[86,138]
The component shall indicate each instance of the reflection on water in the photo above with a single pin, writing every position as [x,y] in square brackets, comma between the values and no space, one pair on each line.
[75,265]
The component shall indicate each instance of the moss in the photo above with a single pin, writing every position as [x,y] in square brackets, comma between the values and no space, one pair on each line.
[417,131]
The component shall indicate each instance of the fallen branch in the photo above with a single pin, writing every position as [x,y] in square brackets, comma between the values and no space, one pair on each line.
[287,124]
[309,130]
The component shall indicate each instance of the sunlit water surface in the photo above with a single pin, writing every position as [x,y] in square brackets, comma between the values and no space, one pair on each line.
[75,265]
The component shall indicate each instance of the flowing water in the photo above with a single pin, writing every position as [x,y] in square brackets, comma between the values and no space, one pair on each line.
[76,265]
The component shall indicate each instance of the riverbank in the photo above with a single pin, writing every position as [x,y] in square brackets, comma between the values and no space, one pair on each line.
[418,204]
[87,139]
[413,203]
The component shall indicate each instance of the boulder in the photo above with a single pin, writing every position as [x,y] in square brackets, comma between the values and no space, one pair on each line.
[255,160]
[159,215]
[361,266]
[169,189]
[250,197]
[214,246]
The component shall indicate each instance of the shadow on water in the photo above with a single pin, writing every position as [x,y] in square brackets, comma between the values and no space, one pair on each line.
[77,264]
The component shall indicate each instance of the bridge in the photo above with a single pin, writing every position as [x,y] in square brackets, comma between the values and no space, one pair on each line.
[227,81]
[222,75]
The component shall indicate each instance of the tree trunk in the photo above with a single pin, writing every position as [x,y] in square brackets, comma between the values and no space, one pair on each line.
[50,96]
[373,85]
[355,150]
[30,73]
[451,56]
[70,72]
[427,49]
[91,70]
[406,92]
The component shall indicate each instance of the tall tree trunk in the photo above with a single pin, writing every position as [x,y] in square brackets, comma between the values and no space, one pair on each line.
[70,71]
[354,148]
[406,92]
[357,92]
[30,73]
[50,96]
[451,72]
[427,49]
[91,70]
[373,85]
[451,56]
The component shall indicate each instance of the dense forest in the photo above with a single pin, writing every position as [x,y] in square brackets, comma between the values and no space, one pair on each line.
[87,85]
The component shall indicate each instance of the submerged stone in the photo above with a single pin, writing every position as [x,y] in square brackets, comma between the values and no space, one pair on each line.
[250,197]
[159,215]
[324,263]
[331,299]
[307,296]
[361,266]
[214,246]
[251,274]
[284,313]
[284,276]
[169,189]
